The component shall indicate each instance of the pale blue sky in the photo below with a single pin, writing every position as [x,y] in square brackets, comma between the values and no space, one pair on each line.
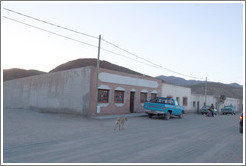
[196,39]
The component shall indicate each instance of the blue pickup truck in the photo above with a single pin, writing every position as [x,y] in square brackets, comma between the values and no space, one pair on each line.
[229,109]
[164,107]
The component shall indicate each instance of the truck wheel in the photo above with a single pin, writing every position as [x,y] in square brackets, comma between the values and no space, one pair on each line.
[168,115]
[181,115]
[150,115]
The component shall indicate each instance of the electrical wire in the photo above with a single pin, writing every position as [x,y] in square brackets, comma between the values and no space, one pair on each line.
[50,32]
[153,64]
[49,23]
[149,62]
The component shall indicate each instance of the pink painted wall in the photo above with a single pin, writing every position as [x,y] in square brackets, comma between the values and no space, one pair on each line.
[112,108]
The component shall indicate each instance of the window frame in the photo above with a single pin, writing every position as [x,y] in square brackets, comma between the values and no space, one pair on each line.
[153,95]
[122,98]
[105,97]
[145,97]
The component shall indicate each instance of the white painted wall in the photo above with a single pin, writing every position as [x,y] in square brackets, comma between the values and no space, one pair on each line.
[214,100]
[126,80]
[64,91]
[201,99]
[177,91]
[235,102]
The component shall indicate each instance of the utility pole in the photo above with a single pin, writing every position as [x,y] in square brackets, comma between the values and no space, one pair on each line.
[98,61]
[206,88]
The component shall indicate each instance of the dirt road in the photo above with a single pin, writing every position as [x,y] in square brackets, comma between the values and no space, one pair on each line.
[33,137]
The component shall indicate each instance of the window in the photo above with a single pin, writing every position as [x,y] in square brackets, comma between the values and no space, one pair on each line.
[177,98]
[194,104]
[184,101]
[118,96]
[103,95]
[153,95]
[143,97]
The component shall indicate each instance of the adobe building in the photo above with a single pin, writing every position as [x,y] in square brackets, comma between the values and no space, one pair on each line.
[74,91]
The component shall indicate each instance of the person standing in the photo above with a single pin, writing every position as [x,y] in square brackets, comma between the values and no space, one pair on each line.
[212,109]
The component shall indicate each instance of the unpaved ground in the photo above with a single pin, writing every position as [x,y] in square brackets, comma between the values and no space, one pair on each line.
[34,137]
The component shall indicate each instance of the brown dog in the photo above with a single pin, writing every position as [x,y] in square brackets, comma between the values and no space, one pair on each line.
[120,122]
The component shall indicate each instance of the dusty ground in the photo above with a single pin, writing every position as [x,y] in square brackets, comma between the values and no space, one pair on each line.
[34,137]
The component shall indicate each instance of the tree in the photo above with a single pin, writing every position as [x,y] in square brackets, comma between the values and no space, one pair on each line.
[221,100]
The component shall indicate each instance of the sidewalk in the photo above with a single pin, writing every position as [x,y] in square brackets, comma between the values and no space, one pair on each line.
[116,116]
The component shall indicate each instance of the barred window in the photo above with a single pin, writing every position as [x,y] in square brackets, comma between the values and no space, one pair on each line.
[118,96]
[143,97]
[103,96]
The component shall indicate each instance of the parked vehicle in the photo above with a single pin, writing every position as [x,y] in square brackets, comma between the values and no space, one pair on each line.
[241,123]
[164,107]
[228,110]
[204,110]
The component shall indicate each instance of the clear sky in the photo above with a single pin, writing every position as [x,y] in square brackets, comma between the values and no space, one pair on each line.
[195,39]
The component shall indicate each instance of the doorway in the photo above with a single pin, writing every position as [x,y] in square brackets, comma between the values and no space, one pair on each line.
[132,102]
[198,106]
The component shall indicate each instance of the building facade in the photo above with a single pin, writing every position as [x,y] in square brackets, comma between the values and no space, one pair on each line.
[194,102]
[121,93]
[180,93]
[75,91]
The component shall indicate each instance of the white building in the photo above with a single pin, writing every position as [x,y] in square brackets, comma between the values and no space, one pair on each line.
[180,93]
[194,102]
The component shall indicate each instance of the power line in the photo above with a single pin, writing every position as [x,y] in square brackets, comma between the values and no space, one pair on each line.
[149,62]
[130,53]
[125,56]
[50,32]
[72,39]
[50,23]
[155,65]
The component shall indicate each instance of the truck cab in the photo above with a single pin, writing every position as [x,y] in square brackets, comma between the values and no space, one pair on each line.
[165,107]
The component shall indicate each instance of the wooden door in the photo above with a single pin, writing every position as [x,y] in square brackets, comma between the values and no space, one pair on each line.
[132,101]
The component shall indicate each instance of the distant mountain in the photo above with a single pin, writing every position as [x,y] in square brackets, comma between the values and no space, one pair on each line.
[93,62]
[10,74]
[233,90]
[235,85]
[218,89]
[183,82]
[179,81]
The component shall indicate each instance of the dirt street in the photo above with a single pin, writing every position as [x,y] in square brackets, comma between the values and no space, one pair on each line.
[34,137]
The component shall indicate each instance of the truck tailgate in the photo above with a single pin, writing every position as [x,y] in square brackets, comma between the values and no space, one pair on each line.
[154,106]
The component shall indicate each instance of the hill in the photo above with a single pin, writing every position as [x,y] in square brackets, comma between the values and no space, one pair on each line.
[93,62]
[183,82]
[218,89]
[10,74]
[233,90]
[179,81]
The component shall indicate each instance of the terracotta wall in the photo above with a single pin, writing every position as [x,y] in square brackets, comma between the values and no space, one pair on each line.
[113,80]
